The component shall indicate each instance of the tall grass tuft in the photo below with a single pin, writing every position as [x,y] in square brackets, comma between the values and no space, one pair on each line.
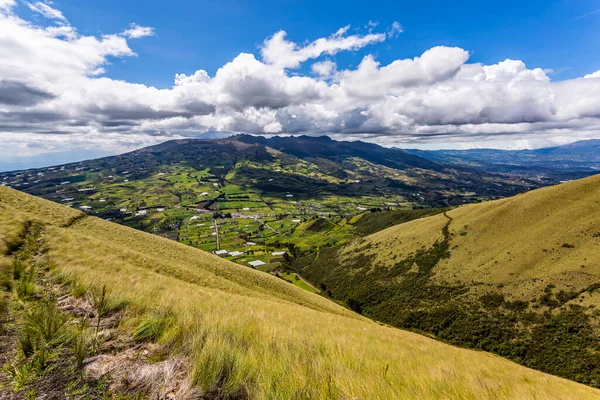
[83,344]
[152,327]
[45,326]
[26,285]
[224,371]
[17,268]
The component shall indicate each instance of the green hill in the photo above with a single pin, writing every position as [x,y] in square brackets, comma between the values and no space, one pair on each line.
[517,277]
[165,319]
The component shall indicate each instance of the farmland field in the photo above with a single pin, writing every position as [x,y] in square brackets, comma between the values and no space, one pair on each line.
[255,205]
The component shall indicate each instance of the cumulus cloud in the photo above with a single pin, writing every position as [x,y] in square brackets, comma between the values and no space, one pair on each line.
[324,68]
[136,31]
[17,93]
[282,53]
[54,91]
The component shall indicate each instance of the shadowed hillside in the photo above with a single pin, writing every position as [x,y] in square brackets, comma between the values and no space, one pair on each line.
[141,314]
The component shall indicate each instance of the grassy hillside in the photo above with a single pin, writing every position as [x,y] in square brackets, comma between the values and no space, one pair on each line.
[172,313]
[517,277]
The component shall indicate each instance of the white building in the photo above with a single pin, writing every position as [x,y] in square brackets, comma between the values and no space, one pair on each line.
[257,263]
[279,253]
[221,252]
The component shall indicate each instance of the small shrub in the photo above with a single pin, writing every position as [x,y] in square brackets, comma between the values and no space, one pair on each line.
[517,305]
[564,297]
[492,300]
[567,246]
[547,300]
[592,288]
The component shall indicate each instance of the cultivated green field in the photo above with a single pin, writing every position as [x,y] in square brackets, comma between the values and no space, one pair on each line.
[299,196]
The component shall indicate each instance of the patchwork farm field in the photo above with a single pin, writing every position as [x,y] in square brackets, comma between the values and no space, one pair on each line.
[257,205]
[197,208]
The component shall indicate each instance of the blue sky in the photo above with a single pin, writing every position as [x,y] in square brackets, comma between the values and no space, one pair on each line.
[207,34]
[77,75]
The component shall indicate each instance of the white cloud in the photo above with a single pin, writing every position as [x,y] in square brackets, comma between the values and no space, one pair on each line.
[395,30]
[282,53]
[53,92]
[324,68]
[593,75]
[136,31]
[6,5]
[45,10]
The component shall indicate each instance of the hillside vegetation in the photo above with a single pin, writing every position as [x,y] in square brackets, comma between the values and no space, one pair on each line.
[517,277]
[161,314]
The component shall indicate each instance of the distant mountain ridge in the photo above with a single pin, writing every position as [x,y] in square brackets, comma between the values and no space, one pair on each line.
[303,164]
[569,161]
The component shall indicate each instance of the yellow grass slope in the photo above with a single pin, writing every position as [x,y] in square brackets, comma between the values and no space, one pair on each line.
[549,235]
[252,333]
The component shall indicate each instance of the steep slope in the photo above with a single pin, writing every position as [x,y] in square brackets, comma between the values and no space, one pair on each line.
[516,276]
[245,334]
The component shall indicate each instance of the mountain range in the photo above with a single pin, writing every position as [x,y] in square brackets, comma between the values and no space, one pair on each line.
[565,162]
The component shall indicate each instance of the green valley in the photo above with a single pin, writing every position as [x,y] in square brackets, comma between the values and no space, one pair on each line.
[256,198]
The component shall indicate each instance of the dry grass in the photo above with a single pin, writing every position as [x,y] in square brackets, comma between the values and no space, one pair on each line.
[250,334]
[550,235]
